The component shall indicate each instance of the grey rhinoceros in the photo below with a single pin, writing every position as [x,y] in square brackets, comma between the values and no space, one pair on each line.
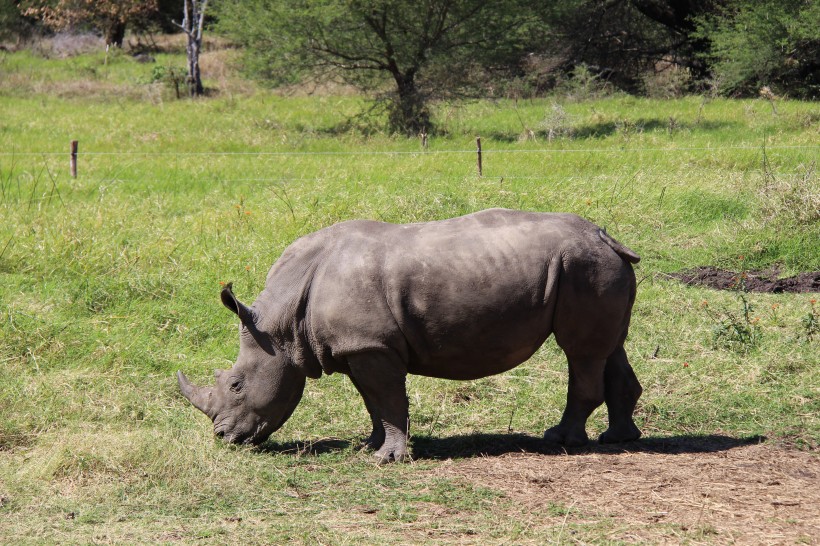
[462,298]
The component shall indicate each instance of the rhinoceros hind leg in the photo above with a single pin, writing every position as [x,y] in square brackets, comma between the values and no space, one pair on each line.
[621,393]
[380,378]
[584,393]
[376,438]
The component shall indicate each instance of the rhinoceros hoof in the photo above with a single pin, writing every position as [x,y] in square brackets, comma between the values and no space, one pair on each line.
[386,456]
[615,436]
[559,435]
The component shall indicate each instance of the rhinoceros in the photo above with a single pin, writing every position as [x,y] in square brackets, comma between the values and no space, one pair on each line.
[462,298]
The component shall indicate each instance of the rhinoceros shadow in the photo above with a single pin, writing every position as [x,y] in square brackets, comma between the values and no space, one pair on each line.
[493,445]
[475,445]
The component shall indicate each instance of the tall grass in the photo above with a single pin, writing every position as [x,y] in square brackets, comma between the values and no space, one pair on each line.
[110,283]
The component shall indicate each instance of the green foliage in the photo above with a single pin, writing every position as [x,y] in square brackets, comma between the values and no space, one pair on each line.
[173,77]
[737,331]
[770,43]
[583,84]
[637,46]
[810,323]
[425,51]
[12,23]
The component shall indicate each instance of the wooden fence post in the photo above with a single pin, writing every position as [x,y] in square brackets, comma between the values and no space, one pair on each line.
[478,144]
[73,159]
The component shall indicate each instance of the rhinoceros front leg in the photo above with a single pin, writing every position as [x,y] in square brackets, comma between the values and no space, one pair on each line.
[380,378]
[376,438]
[584,393]
[621,392]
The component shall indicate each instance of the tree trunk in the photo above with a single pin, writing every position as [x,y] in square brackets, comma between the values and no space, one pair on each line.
[194,76]
[192,23]
[680,16]
[115,33]
[409,113]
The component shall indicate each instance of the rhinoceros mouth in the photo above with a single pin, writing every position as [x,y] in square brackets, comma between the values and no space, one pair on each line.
[237,439]
[257,436]
[220,428]
[250,440]
[253,438]
[234,438]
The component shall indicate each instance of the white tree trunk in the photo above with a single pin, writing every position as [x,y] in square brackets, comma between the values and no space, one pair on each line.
[192,24]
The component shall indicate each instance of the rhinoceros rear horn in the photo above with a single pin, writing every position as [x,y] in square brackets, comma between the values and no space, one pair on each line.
[244,312]
[200,397]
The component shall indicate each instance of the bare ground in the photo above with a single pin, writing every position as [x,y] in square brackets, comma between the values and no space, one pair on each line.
[752,281]
[717,491]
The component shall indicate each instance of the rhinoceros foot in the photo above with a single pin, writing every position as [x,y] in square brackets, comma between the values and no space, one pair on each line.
[395,453]
[624,433]
[570,437]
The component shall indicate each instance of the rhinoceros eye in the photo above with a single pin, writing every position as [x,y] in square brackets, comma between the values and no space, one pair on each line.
[236,385]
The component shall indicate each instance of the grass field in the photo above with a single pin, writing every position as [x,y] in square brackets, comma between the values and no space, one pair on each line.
[110,284]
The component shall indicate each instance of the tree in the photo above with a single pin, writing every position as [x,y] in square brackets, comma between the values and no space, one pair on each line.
[741,44]
[765,43]
[680,19]
[625,40]
[12,24]
[109,16]
[407,42]
[193,21]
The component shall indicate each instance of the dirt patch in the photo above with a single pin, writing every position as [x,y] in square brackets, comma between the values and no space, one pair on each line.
[746,494]
[751,281]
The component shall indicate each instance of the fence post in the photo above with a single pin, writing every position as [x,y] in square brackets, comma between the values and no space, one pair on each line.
[73,159]
[478,144]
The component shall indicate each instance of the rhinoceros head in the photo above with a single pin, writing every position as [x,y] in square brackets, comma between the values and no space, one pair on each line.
[258,394]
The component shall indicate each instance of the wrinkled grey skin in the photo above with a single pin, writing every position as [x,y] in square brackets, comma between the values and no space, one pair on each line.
[458,299]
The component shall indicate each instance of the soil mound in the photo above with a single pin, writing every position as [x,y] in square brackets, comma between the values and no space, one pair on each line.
[750,281]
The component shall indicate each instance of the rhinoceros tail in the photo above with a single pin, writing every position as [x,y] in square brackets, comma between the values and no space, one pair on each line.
[622,251]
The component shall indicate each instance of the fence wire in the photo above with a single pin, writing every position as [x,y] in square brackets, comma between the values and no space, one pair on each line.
[422,152]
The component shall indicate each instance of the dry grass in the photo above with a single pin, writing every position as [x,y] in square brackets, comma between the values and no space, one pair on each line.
[794,198]
[78,66]
[64,45]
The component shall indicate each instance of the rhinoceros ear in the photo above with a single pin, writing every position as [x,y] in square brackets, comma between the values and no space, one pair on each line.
[248,317]
[245,313]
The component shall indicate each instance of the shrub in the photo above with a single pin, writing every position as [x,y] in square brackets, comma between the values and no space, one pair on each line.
[772,42]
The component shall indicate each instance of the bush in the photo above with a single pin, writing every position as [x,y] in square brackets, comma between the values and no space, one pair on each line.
[668,80]
[769,43]
[584,83]
[170,76]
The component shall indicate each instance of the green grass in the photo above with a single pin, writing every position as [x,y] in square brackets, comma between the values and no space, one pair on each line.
[110,283]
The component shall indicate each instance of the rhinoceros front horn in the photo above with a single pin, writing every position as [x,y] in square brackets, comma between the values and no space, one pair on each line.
[200,397]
